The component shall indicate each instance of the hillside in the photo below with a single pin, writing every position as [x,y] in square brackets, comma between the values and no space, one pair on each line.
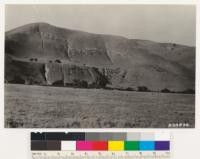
[43,54]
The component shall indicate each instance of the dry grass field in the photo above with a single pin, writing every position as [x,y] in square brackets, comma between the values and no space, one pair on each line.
[29,106]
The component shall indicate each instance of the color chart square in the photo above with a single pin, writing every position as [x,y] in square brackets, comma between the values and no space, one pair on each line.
[83,145]
[162,145]
[100,145]
[147,145]
[115,145]
[131,145]
[68,145]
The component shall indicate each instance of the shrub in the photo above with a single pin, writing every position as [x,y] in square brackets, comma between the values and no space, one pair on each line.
[76,82]
[174,45]
[84,84]
[189,91]
[58,83]
[31,59]
[109,88]
[17,80]
[143,89]
[165,90]
[80,83]
[58,61]
[103,81]
[129,89]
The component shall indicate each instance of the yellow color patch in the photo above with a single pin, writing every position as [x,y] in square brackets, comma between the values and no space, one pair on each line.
[115,145]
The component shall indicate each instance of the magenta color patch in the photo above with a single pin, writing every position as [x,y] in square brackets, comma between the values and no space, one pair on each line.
[83,145]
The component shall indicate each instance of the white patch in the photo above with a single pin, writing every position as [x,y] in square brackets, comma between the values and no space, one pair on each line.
[46,74]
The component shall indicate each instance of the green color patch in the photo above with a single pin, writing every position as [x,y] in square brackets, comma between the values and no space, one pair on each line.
[131,145]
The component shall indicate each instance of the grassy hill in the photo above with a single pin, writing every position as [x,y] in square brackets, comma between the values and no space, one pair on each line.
[43,54]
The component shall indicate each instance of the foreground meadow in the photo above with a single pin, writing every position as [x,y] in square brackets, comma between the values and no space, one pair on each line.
[29,106]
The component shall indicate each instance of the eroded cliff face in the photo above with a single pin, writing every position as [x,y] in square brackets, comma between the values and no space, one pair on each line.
[42,54]
[54,74]
[73,75]
[24,72]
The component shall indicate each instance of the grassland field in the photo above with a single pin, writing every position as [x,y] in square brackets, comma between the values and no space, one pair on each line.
[29,106]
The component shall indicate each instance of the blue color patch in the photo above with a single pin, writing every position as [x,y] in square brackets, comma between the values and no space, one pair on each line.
[147,145]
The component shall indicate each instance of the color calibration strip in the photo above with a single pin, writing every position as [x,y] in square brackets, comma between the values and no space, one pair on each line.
[100,141]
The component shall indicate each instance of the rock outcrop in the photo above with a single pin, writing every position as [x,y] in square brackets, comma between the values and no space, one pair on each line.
[43,54]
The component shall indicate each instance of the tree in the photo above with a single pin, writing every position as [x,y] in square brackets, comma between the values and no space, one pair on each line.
[17,80]
[143,89]
[165,90]
[84,84]
[58,61]
[189,91]
[58,83]
[103,81]
[129,89]
[174,45]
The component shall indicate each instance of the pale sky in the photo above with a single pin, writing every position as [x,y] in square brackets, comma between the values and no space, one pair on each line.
[160,23]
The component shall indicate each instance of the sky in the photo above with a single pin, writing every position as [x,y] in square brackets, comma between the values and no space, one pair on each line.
[160,23]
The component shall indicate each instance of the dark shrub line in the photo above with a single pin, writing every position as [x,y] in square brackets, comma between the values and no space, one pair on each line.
[77,83]
[50,61]
[145,89]
[33,59]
